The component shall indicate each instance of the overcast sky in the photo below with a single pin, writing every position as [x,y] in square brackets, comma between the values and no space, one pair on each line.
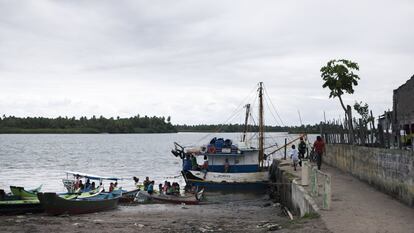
[196,61]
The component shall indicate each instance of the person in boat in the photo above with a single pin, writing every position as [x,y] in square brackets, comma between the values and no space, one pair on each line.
[77,182]
[111,187]
[170,189]
[146,183]
[226,165]
[194,164]
[165,187]
[160,188]
[302,150]
[176,188]
[93,186]
[87,185]
[116,184]
[101,185]
[294,156]
[136,181]
[150,188]
[81,186]
[204,167]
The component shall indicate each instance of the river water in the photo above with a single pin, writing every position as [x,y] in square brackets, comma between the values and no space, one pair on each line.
[29,160]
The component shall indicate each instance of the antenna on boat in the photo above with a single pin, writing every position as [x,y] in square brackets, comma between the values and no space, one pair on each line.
[246,122]
[261,125]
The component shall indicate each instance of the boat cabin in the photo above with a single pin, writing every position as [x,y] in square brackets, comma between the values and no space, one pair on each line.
[241,159]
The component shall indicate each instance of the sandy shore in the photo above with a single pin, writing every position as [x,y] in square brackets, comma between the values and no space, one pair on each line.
[228,213]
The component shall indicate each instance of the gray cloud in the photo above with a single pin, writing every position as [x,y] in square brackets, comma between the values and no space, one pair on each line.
[197,60]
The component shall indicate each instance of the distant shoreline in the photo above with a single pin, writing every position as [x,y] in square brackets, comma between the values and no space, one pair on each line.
[94,131]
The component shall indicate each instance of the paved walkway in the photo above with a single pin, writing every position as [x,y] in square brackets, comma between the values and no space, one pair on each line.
[358,207]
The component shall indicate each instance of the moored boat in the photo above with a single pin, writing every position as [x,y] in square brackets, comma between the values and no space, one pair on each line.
[25,194]
[128,196]
[55,205]
[230,167]
[188,199]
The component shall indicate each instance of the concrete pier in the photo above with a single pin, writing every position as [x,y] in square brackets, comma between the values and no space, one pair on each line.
[345,203]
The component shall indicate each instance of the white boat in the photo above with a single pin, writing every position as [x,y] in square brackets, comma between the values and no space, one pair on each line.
[246,164]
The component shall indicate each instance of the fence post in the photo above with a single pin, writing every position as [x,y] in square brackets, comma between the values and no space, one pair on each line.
[285,148]
[305,172]
[327,193]
[314,181]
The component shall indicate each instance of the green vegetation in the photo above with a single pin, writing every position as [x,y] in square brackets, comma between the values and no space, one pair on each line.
[134,124]
[239,128]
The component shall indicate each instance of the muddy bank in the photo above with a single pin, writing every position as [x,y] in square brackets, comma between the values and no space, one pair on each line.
[224,213]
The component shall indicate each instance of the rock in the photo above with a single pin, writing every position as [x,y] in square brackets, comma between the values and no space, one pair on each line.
[276,204]
[76,224]
[98,221]
[18,221]
[202,229]
[267,205]
[139,225]
[20,216]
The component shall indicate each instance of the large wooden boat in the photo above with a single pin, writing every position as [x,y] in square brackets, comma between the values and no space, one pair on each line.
[231,167]
[55,205]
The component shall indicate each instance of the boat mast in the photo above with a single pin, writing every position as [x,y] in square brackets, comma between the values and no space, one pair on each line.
[246,121]
[261,125]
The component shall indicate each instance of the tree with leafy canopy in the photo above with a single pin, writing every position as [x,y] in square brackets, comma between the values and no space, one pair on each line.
[339,77]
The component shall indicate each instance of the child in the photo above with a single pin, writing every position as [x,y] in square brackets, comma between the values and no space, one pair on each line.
[294,156]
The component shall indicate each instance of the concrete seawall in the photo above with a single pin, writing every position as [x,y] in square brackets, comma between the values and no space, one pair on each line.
[391,171]
[287,191]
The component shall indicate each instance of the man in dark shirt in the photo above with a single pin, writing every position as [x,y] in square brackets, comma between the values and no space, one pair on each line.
[302,150]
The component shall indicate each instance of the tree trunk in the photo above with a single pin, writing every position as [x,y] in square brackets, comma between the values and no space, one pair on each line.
[351,128]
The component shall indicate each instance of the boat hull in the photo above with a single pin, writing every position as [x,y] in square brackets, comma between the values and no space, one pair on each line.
[55,205]
[214,181]
[173,199]
[20,207]
[128,196]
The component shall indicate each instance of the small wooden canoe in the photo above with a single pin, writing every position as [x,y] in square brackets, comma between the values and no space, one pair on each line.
[55,205]
[25,194]
[20,207]
[128,196]
[189,199]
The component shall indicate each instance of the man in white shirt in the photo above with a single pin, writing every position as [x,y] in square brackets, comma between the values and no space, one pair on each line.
[294,156]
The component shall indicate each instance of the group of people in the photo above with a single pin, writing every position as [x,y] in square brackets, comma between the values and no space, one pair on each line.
[167,188]
[80,186]
[297,155]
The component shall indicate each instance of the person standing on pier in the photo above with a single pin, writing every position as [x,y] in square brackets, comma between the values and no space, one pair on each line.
[302,150]
[319,147]
[294,157]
